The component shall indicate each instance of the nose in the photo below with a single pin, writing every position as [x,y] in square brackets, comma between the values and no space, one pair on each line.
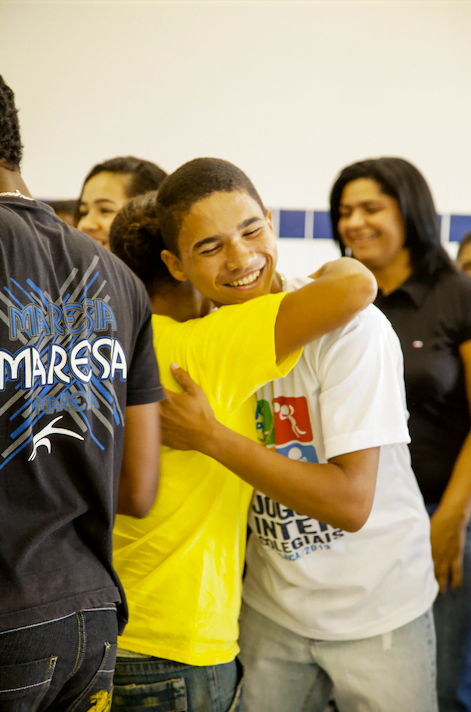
[239,256]
[88,224]
[355,220]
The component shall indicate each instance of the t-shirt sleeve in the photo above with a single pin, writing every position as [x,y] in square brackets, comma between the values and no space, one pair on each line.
[362,400]
[231,352]
[143,385]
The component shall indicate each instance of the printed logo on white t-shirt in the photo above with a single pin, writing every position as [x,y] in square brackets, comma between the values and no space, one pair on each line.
[286,427]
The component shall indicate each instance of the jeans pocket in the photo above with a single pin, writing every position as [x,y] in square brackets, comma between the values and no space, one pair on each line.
[23,685]
[97,695]
[236,704]
[166,696]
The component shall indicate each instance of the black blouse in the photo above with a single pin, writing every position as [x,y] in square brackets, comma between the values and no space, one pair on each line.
[432,317]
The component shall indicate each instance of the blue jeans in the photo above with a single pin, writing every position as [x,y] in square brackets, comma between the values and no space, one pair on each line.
[286,672]
[64,665]
[452,612]
[157,685]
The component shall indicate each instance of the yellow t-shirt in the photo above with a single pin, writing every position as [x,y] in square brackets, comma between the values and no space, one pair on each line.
[181,566]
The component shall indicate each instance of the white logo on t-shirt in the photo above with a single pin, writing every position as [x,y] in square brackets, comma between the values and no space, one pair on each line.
[42,439]
[286,412]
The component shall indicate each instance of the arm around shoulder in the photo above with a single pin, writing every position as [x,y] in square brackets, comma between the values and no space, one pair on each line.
[338,292]
[141,460]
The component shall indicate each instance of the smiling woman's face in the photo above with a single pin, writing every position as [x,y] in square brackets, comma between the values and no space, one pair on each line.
[103,196]
[227,248]
[370,223]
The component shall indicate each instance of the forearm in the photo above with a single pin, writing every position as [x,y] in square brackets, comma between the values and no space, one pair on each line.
[339,292]
[141,460]
[322,491]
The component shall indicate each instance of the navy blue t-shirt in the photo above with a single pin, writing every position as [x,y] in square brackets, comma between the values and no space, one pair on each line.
[75,350]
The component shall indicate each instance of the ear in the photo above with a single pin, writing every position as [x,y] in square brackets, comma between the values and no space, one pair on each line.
[269,219]
[174,265]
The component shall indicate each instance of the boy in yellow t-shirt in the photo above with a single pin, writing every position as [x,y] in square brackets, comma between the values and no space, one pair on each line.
[181,566]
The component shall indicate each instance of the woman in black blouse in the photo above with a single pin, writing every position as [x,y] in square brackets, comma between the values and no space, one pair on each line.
[382,213]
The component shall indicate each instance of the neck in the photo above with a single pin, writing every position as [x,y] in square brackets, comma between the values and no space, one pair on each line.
[11,181]
[181,302]
[276,284]
[395,273]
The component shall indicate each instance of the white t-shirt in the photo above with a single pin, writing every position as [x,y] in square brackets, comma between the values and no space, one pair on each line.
[345,394]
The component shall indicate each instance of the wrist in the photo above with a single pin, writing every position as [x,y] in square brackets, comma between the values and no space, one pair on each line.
[211,440]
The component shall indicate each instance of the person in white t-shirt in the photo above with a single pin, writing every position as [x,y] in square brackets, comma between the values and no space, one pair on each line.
[328,611]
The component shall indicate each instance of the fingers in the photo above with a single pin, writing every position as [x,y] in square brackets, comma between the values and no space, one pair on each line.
[456,572]
[181,376]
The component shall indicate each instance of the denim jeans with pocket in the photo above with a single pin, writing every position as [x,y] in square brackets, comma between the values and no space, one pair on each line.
[63,665]
[158,685]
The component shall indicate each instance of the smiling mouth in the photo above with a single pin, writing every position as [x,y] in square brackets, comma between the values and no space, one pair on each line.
[363,239]
[249,279]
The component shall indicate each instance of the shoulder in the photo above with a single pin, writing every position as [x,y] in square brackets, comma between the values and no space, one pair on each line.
[369,323]
[291,283]
[455,282]
[452,300]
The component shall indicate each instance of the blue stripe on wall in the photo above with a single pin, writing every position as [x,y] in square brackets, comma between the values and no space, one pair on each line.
[292,223]
[459,224]
[322,227]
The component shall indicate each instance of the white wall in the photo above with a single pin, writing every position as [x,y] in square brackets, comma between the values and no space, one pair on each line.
[290,91]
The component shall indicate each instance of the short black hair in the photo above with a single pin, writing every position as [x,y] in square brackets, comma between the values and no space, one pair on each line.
[135,238]
[401,180]
[465,240]
[11,148]
[144,175]
[192,182]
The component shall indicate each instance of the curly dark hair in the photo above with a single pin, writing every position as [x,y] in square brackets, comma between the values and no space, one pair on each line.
[191,183]
[135,238]
[11,148]
[144,175]
[401,180]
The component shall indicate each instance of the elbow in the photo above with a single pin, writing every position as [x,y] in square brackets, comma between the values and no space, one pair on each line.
[366,289]
[136,509]
[356,516]
[137,501]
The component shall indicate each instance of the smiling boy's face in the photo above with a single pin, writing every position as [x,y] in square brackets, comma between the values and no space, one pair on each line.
[227,248]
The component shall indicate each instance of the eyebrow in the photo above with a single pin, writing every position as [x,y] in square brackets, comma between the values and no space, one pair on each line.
[362,202]
[214,238]
[98,202]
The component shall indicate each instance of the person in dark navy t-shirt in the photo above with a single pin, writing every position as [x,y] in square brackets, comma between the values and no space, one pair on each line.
[79,438]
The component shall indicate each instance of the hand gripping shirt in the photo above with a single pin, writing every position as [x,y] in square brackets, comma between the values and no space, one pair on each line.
[75,350]
[181,566]
[345,394]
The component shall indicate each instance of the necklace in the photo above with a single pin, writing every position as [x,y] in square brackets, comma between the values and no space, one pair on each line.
[16,194]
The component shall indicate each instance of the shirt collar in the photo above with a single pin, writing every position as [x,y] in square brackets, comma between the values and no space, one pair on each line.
[416,287]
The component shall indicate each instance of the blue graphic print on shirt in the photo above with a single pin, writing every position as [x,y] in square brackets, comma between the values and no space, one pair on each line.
[66,360]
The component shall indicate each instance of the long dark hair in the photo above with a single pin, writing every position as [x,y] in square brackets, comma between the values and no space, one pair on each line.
[402,181]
